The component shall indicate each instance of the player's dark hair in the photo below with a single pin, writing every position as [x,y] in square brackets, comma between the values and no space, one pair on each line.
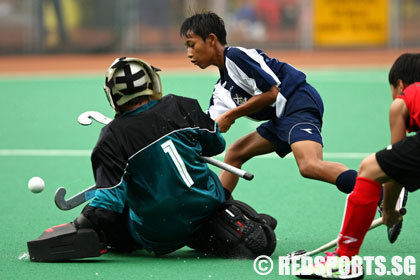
[406,68]
[203,25]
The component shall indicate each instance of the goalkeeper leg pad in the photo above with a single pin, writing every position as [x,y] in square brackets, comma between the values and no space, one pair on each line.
[66,242]
[236,231]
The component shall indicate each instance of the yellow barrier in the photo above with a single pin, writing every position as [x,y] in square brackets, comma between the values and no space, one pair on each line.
[350,22]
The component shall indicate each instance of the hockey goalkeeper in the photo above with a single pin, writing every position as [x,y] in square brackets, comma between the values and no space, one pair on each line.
[155,192]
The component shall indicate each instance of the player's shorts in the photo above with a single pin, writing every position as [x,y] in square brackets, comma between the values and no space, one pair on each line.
[301,121]
[401,162]
[158,248]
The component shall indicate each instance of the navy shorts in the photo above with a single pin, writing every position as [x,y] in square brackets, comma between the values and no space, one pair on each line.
[401,162]
[302,120]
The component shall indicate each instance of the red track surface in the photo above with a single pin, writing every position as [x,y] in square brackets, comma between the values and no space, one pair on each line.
[74,63]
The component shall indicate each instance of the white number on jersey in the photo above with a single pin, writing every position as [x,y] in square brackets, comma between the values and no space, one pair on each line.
[169,148]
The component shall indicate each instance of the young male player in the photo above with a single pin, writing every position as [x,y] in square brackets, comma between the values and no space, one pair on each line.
[154,189]
[264,89]
[396,166]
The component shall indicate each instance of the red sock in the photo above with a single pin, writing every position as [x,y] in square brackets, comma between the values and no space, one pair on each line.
[359,213]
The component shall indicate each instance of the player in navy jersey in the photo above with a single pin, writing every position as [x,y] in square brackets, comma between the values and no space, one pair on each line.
[253,84]
[396,166]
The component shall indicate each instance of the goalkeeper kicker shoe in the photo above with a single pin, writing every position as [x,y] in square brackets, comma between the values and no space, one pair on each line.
[270,221]
[333,267]
[66,242]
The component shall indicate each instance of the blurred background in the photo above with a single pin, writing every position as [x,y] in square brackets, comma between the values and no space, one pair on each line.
[53,56]
[124,26]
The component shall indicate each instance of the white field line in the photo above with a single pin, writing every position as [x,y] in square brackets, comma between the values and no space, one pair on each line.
[44,153]
[87,153]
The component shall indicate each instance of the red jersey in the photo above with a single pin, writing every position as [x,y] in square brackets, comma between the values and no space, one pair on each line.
[411,97]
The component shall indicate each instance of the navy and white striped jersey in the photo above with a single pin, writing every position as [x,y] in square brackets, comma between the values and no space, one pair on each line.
[250,72]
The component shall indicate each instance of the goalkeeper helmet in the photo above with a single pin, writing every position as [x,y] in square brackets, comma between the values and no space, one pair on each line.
[128,78]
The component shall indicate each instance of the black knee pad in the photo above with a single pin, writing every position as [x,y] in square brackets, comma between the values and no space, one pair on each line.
[236,231]
[66,242]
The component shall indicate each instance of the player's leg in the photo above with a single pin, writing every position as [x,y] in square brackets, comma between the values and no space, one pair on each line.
[75,240]
[114,226]
[401,162]
[306,144]
[369,168]
[308,155]
[361,206]
[359,213]
[240,151]
[236,231]
[87,236]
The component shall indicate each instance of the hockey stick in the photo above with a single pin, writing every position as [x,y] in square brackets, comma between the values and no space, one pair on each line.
[395,231]
[74,201]
[87,194]
[300,253]
[87,117]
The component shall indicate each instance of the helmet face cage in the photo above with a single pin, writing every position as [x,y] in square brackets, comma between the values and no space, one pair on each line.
[119,73]
[108,95]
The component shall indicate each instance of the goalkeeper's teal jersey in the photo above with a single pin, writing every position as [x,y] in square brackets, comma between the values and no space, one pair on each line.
[149,159]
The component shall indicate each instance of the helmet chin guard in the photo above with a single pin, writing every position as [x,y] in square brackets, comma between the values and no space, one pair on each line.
[128,78]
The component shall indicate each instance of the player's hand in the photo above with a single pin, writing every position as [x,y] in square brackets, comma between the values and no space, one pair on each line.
[390,218]
[224,122]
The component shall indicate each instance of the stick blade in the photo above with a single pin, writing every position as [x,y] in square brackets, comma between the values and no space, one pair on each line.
[84,118]
[297,253]
[60,200]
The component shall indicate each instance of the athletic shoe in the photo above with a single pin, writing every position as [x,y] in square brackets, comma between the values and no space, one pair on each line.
[330,269]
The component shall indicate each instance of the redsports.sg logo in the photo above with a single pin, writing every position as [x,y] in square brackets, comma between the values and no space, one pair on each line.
[372,265]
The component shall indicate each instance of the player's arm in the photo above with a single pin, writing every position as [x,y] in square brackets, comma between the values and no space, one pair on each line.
[253,105]
[108,169]
[391,216]
[211,141]
[398,118]
[107,211]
